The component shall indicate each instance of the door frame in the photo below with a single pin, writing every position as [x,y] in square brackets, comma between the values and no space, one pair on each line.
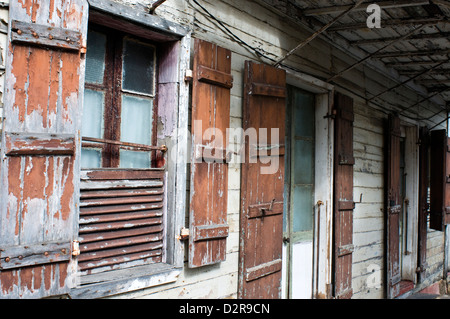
[324,150]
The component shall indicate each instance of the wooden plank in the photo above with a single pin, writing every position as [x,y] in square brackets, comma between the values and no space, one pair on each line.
[264,210]
[263,270]
[45,35]
[267,90]
[20,144]
[122,174]
[119,208]
[119,225]
[215,77]
[23,256]
[120,200]
[208,232]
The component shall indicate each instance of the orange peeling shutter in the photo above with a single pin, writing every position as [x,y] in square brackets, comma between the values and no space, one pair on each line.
[212,82]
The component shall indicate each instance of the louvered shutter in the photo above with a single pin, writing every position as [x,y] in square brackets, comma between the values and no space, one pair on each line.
[121,219]
[212,82]
[262,192]
[393,206]
[343,196]
[43,100]
[424,139]
[439,180]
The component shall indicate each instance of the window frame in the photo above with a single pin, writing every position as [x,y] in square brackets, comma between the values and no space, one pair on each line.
[175,42]
[113,94]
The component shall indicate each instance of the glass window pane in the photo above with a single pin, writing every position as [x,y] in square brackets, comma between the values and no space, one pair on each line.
[95,57]
[303,162]
[302,208]
[90,158]
[92,123]
[304,110]
[138,67]
[132,159]
[136,121]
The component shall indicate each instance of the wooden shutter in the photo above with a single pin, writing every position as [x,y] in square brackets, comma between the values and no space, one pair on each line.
[343,196]
[121,219]
[212,82]
[43,100]
[439,180]
[424,146]
[262,194]
[393,206]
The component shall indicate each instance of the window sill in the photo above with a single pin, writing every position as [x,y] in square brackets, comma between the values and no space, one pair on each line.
[124,280]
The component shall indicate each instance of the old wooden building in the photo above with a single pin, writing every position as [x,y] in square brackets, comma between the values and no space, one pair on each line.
[224,149]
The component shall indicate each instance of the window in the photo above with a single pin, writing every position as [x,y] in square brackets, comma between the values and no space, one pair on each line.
[119,101]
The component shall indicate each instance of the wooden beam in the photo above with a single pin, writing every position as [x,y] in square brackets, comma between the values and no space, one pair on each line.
[318,32]
[434,82]
[434,72]
[443,3]
[382,4]
[408,80]
[422,36]
[376,52]
[389,23]
[410,63]
[411,53]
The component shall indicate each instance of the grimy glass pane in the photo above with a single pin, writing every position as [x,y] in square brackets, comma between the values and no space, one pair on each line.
[136,120]
[303,163]
[132,159]
[90,158]
[304,110]
[95,57]
[92,123]
[138,67]
[302,208]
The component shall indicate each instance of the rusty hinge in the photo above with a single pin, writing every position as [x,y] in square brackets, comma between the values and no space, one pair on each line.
[75,248]
[188,76]
[184,234]
[332,115]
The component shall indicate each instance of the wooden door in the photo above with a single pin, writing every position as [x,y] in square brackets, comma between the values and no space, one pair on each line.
[393,207]
[343,204]
[439,180]
[43,102]
[261,190]
[424,139]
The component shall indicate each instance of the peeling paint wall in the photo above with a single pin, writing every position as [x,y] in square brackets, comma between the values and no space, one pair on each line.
[4,13]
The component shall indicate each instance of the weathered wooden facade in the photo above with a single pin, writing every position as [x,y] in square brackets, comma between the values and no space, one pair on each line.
[224,149]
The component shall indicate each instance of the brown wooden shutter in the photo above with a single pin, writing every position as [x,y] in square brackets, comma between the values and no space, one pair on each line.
[424,147]
[343,196]
[212,81]
[439,180]
[121,219]
[43,101]
[393,206]
[262,194]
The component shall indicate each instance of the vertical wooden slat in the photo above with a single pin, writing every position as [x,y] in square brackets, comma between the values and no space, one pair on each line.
[209,179]
[393,206]
[343,196]
[261,233]
[423,200]
[439,180]
[43,95]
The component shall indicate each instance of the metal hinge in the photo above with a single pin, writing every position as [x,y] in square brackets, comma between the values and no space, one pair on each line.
[75,248]
[184,234]
[188,76]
